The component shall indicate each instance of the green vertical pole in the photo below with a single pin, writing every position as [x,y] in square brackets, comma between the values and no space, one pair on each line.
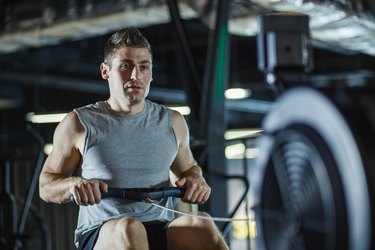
[213,111]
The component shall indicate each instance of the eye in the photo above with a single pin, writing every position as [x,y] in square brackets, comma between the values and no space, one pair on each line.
[125,66]
[143,67]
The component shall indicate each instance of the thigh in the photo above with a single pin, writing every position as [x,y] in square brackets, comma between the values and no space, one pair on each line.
[107,235]
[104,236]
[182,234]
[122,232]
[187,232]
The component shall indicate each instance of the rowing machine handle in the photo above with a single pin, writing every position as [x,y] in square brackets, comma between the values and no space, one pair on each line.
[132,193]
[174,192]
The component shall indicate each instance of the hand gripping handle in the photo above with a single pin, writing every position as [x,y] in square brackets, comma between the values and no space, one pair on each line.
[141,194]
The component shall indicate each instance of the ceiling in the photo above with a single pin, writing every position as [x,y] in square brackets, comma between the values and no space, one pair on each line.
[50,53]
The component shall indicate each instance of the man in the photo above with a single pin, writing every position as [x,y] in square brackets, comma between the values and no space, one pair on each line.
[127,142]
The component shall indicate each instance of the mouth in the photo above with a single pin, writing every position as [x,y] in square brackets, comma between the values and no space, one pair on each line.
[132,88]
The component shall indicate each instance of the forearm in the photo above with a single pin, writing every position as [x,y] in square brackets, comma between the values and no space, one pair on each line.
[56,188]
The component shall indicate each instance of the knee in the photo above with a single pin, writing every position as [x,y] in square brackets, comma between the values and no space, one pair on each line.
[197,231]
[131,227]
[210,230]
[201,222]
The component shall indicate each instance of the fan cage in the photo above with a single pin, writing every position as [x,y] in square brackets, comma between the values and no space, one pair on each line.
[303,204]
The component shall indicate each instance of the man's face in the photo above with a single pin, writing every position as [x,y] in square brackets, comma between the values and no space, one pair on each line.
[130,74]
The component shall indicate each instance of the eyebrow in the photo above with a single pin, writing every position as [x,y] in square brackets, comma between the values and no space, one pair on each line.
[132,61]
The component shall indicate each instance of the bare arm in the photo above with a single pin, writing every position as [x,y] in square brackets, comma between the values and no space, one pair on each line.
[56,183]
[185,168]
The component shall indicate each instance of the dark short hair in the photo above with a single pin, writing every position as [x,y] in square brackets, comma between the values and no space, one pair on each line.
[127,37]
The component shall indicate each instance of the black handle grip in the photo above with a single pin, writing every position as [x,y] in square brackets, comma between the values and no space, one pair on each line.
[174,192]
[141,194]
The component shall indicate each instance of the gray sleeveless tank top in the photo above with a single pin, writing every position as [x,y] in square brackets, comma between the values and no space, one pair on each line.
[134,151]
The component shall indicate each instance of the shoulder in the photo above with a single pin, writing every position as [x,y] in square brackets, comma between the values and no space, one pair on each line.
[70,125]
[159,109]
[69,133]
[153,106]
[179,126]
[98,106]
[177,118]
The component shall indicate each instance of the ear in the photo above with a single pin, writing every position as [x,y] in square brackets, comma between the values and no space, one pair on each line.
[104,70]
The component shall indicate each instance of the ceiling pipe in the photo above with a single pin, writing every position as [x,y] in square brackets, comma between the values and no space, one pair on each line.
[349,24]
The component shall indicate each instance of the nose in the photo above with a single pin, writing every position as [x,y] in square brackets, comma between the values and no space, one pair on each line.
[135,74]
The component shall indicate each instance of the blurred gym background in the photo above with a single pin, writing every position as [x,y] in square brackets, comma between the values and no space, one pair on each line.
[206,65]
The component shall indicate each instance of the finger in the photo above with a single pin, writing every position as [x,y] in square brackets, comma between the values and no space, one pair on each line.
[190,192]
[203,196]
[97,194]
[77,198]
[93,192]
[207,195]
[200,198]
[195,191]
[82,198]
[196,194]
[103,186]
[180,182]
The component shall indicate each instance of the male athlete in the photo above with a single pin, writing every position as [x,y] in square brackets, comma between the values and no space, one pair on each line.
[127,141]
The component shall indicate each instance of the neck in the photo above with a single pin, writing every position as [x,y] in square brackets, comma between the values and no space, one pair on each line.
[125,108]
